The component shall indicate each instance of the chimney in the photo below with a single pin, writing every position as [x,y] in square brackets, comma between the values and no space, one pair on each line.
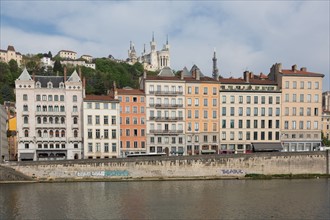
[64,73]
[304,69]
[294,68]
[198,75]
[182,75]
[115,91]
[247,76]
[79,71]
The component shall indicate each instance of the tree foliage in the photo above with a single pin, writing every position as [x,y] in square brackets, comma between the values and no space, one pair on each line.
[8,74]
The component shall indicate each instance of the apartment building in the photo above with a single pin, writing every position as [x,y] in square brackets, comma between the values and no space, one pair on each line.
[11,54]
[250,114]
[49,116]
[301,107]
[132,121]
[202,112]
[101,127]
[165,108]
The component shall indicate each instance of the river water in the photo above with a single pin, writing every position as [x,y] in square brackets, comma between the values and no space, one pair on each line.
[210,199]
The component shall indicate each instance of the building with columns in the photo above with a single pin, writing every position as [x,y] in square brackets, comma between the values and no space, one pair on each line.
[301,108]
[49,116]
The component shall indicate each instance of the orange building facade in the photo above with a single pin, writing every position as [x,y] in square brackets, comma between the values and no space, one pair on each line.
[132,121]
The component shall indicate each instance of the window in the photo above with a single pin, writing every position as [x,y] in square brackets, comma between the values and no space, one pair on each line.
[232,111]
[232,123]
[240,111]
[248,135]
[75,108]
[25,97]
[205,114]
[114,147]
[277,111]
[262,123]
[301,111]
[293,124]
[248,123]
[38,98]
[278,99]
[316,85]
[240,99]
[308,111]
[127,120]
[74,98]
[240,123]
[189,89]
[214,114]
[205,91]
[128,132]
[196,90]
[223,123]
[316,126]
[255,99]
[25,108]
[286,97]
[255,110]
[263,99]
[286,84]
[62,98]
[255,123]
[270,123]
[223,135]
[223,99]
[316,98]
[232,135]
[301,97]
[26,120]
[294,111]
[106,133]
[270,100]
[248,99]
[196,102]
[97,133]
[97,119]
[263,111]
[214,90]
[196,114]
[105,119]
[302,84]
[248,111]
[189,101]
[223,111]
[270,111]
[205,102]
[89,119]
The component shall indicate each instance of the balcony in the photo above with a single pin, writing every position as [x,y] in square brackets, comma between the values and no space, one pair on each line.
[48,125]
[50,113]
[166,132]
[75,113]
[166,93]
[166,118]
[166,105]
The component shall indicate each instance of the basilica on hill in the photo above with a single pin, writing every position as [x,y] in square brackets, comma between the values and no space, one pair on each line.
[154,60]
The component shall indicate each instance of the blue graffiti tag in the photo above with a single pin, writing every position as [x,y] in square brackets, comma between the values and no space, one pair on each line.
[102,173]
[232,171]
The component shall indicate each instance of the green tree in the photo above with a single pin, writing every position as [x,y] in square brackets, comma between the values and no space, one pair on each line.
[57,67]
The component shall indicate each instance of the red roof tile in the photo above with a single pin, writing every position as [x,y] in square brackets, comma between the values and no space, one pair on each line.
[99,98]
[130,92]
[300,73]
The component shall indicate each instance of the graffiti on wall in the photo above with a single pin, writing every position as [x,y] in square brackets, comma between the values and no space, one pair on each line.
[105,173]
[232,172]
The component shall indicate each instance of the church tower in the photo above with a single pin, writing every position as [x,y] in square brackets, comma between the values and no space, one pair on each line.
[153,43]
[215,72]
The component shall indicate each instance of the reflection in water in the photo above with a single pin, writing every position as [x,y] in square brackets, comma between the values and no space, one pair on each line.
[218,199]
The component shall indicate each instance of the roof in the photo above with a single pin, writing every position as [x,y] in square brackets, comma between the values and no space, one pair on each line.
[11,48]
[164,78]
[290,72]
[55,80]
[166,72]
[251,81]
[202,79]
[24,75]
[130,91]
[67,51]
[74,77]
[99,98]
[195,68]
[262,147]
[186,73]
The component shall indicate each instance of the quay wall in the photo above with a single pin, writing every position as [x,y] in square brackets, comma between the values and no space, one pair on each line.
[203,166]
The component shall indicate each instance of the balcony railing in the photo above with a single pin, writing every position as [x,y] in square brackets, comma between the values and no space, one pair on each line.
[50,113]
[48,125]
[166,118]
[166,105]
[169,132]
[168,93]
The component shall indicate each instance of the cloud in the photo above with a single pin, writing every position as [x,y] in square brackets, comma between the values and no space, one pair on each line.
[249,35]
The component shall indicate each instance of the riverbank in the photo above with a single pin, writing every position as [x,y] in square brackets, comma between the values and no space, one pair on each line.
[244,166]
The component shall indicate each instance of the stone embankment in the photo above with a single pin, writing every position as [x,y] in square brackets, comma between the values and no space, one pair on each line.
[167,168]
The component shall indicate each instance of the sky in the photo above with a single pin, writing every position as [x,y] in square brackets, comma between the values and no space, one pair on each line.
[246,35]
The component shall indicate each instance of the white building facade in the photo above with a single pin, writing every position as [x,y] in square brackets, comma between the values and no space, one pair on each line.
[49,117]
[101,127]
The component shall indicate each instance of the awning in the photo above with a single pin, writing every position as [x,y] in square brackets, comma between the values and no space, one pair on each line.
[264,147]
[208,151]
[27,156]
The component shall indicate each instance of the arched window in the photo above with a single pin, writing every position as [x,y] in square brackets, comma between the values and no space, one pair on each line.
[75,133]
[39,120]
[45,135]
[57,133]
[25,108]
[39,133]
[26,133]
[51,133]
[38,108]
[61,85]
[56,108]
[44,120]
[38,85]
[50,108]
[62,108]
[51,120]
[44,108]
[56,120]
[75,120]
[49,85]
[62,133]
[26,120]
[62,120]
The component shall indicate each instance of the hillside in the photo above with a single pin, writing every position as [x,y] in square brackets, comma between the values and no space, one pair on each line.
[98,81]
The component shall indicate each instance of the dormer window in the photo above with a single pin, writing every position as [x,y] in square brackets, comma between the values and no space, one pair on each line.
[61,85]
[49,85]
